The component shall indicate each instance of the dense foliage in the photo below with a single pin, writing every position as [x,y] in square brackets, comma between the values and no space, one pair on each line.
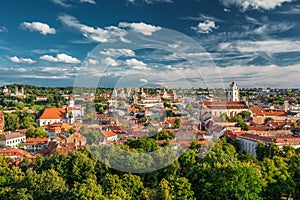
[222,174]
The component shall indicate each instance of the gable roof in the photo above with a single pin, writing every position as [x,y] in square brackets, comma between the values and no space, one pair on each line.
[109,134]
[36,141]
[15,152]
[54,113]
[11,135]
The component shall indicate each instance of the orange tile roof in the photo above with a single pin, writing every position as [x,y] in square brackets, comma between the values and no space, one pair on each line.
[61,138]
[78,137]
[54,113]
[109,134]
[225,105]
[258,128]
[259,111]
[36,141]
[285,140]
[15,152]
[59,127]
[64,149]
[170,121]
[275,114]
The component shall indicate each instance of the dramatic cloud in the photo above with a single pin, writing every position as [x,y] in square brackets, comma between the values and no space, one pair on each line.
[135,64]
[205,27]
[145,29]
[255,4]
[63,58]
[43,28]
[15,59]
[107,34]
[268,46]
[117,52]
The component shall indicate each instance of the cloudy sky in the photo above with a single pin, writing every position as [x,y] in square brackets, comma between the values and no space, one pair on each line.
[192,42]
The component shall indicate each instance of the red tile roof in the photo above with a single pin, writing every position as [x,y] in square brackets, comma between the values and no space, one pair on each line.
[36,141]
[54,113]
[225,105]
[61,138]
[109,134]
[16,152]
[285,140]
[259,111]
[170,120]
[234,134]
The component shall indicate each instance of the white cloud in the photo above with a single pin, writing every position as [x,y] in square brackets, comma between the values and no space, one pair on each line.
[274,28]
[43,28]
[267,46]
[63,58]
[110,62]
[117,52]
[261,76]
[67,3]
[88,1]
[150,1]
[92,61]
[110,33]
[145,29]
[144,80]
[205,27]
[136,64]
[255,4]
[3,29]
[107,34]
[61,3]
[16,59]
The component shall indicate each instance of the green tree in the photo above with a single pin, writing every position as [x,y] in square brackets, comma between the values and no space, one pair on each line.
[86,190]
[267,151]
[11,122]
[277,180]
[181,188]
[28,121]
[164,190]
[47,185]
[268,119]
[177,123]
[33,132]
[224,117]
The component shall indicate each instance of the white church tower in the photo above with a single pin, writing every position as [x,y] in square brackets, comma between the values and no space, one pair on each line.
[233,93]
[71,102]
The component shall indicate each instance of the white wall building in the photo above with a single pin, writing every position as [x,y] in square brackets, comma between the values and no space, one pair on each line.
[12,139]
[249,142]
[233,93]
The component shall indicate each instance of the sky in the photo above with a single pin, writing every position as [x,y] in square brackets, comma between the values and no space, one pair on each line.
[131,43]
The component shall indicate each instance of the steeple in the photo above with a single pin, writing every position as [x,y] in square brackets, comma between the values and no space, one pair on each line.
[233,93]
[71,101]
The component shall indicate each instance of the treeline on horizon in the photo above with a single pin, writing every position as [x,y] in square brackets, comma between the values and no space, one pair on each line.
[222,174]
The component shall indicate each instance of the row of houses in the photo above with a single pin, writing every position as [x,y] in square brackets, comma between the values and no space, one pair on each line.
[249,142]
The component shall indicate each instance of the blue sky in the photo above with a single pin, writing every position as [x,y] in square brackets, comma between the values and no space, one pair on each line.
[52,42]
